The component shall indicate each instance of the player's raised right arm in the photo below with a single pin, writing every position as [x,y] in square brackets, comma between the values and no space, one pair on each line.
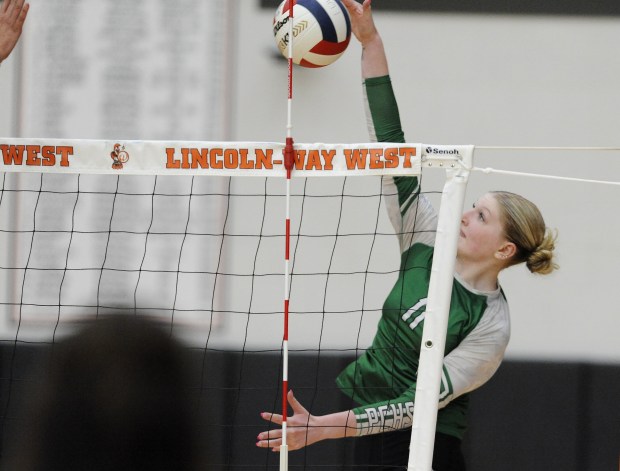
[374,61]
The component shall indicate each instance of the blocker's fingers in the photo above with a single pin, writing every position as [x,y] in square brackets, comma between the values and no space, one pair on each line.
[5,6]
[22,15]
[271,417]
[17,8]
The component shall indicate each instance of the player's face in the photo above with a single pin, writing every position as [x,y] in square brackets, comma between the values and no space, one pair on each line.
[481,233]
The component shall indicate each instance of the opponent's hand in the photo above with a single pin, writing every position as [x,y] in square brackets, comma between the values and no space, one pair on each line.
[302,428]
[362,23]
[12,16]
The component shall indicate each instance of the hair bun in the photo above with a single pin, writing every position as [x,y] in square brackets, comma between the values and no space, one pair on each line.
[541,260]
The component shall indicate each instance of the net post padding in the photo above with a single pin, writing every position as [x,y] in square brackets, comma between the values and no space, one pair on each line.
[437,309]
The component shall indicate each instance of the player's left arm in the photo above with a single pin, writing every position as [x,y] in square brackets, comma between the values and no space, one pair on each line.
[467,367]
[474,361]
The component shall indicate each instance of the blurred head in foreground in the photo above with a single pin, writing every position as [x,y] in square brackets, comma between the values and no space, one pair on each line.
[117,398]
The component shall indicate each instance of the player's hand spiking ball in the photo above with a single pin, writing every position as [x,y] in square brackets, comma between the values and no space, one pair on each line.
[362,23]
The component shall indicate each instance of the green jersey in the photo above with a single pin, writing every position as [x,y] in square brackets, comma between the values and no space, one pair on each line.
[384,378]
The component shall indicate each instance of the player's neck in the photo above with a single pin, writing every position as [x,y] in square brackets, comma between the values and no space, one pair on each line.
[480,276]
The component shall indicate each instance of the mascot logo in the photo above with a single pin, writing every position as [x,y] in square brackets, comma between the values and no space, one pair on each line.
[119,156]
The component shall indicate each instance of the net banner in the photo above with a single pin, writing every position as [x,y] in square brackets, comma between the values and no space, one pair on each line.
[263,159]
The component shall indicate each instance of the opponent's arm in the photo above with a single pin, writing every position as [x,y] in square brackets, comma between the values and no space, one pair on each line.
[12,17]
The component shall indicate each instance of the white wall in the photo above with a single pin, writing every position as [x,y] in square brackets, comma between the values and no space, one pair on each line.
[7,90]
[488,81]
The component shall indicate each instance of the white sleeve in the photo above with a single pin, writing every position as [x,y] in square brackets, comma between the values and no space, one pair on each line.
[412,215]
[479,354]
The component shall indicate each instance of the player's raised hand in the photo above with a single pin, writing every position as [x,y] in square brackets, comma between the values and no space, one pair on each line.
[374,60]
[12,16]
[362,23]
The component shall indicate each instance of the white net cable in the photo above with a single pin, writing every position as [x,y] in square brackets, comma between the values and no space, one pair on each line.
[489,170]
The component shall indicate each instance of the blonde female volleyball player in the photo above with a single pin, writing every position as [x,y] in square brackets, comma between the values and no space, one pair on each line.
[12,17]
[501,230]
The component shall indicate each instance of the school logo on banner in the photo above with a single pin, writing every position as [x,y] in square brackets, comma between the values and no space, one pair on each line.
[119,157]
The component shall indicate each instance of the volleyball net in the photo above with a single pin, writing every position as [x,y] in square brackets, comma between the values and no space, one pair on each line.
[193,234]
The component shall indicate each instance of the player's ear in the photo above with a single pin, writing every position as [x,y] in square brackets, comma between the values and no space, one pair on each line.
[506,251]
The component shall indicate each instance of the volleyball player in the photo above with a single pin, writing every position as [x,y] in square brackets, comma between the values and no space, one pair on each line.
[501,230]
[12,16]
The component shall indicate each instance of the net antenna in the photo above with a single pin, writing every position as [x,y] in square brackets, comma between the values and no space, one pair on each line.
[288,165]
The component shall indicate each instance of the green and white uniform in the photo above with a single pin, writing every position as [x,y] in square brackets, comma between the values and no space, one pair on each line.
[384,378]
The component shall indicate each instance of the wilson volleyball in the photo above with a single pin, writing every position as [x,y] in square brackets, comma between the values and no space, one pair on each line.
[321,31]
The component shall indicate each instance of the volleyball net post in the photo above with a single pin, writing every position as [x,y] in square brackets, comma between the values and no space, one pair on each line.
[438,309]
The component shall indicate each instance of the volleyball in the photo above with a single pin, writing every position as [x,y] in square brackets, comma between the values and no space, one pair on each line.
[321,31]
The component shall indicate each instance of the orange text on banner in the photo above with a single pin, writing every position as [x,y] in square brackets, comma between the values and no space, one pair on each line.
[305,159]
[374,158]
[219,158]
[35,155]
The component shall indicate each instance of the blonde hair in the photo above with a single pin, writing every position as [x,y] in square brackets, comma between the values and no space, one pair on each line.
[525,227]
